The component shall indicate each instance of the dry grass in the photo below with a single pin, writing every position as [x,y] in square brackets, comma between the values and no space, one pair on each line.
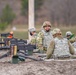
[22,30]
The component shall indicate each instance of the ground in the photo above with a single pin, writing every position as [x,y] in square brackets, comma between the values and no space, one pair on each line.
[31,67]
[39,68]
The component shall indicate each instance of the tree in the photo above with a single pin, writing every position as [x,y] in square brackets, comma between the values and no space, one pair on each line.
[7,15]
[38,3]
[24,4]
[3,26]
[24,8]
[62,12]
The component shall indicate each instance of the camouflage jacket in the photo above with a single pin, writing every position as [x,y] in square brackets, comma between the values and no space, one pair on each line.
[34,40]
[59,47]
[44,39]
[72,40]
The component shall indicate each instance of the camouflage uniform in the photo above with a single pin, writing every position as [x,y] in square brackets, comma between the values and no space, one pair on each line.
[60,47]
[34,36]
[44,38]
[54,33]
[33,40]
[71,37]
[72,40]
[74,45]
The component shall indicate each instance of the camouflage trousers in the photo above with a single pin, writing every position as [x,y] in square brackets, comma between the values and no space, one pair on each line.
[43,50]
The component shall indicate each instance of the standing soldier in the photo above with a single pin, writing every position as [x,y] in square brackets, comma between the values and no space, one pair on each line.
[44,36]
[59,47]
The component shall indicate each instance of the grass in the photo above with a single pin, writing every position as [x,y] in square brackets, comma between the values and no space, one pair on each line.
[21,34]
[22,30]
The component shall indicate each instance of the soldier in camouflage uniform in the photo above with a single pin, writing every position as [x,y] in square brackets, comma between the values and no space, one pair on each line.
[74,45]
[70,36]
[44,36]
[59,47]
[54,33]
[33,33]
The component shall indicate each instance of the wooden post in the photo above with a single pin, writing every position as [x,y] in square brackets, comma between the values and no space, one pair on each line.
[31,15]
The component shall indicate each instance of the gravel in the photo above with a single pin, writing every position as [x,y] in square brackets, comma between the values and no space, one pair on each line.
[31,67]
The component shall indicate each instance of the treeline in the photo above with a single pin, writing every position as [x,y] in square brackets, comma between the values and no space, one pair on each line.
[61,11]
[24,6]
[8,15]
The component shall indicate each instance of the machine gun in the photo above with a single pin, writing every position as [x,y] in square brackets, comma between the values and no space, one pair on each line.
[24,50]
[4,34]
[21,46]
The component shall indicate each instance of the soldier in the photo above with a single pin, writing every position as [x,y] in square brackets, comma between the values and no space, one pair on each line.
[59,47]
[54,34]
[10,35]
[44,36]
[70,36]
[33,33]
[74,45]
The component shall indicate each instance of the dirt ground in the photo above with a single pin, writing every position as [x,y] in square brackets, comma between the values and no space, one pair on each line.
[31,67]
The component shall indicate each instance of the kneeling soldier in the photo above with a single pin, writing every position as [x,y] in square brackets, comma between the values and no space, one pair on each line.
[59,47]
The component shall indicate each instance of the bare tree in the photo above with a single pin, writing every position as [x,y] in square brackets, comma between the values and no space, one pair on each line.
[61,11]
